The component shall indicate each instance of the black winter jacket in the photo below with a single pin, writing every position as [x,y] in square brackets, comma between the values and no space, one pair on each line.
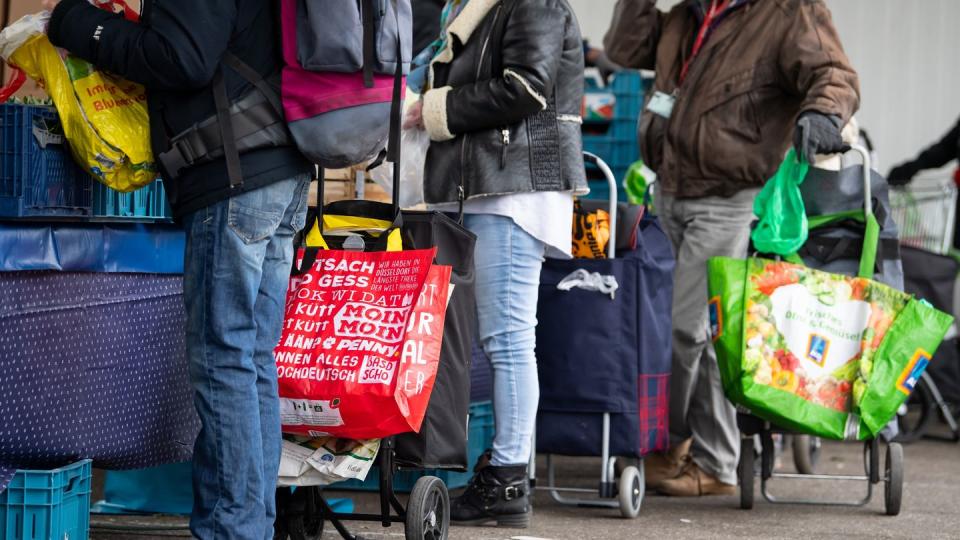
[504,106]
[937,155]
[175,52]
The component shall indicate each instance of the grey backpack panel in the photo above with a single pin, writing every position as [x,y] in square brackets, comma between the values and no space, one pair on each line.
[330,34]
[351,135]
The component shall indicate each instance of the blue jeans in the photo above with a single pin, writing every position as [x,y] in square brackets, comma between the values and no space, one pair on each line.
[236,270]
[508,263]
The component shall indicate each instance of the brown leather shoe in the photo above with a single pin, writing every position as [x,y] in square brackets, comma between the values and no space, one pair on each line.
[693,482]
[660,467]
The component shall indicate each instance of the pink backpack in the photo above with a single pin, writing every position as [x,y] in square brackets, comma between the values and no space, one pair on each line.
[341,90]
[343,74]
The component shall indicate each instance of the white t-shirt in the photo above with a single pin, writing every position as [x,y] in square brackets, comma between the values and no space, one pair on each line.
[544,215]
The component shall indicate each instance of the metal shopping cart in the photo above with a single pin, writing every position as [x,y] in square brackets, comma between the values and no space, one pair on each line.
[925,211]
[603,355]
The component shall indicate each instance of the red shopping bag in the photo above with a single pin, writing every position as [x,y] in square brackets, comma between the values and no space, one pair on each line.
[340,356]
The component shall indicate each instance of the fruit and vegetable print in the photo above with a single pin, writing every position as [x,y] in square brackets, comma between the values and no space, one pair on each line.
[815,334]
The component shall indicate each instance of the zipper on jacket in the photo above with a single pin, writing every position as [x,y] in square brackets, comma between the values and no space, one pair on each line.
[505,139]
[461,189]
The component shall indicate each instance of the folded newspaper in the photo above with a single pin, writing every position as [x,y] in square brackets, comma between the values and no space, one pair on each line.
[325,460]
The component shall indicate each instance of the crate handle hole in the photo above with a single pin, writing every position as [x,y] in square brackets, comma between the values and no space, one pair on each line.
[72,484]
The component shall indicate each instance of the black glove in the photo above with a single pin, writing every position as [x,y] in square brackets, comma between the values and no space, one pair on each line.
[817,133]
[902,174]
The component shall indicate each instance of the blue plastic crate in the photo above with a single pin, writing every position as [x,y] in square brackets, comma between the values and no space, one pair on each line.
[616,141]
[47,505]
[148,202]
[479,438]
[38,177]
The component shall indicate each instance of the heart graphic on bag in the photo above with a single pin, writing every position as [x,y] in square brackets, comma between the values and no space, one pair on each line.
[823,337]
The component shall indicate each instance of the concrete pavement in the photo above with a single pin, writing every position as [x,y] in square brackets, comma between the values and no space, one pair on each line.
[931,508]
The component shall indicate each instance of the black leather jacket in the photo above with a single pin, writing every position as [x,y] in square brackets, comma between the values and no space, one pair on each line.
[504,108]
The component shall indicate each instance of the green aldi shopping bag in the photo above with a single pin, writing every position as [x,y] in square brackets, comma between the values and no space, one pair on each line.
[825,354]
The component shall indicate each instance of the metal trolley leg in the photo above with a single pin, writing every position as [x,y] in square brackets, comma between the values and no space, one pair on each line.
[607,487]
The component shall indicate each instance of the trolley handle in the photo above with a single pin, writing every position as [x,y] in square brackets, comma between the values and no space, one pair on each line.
[871,236]
[867,191]
[594,160]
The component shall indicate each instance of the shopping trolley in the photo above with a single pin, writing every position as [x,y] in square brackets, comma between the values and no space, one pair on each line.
[925,211]
[753,427]
[620,328]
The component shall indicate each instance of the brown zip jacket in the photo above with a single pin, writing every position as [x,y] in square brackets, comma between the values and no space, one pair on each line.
[764,63]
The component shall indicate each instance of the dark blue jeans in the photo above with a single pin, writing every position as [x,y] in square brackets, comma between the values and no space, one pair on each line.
[236,270]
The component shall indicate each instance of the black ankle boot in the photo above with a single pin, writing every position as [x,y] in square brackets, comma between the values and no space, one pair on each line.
[498,495]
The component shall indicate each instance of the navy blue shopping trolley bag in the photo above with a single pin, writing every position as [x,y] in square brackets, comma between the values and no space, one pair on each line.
[607,352]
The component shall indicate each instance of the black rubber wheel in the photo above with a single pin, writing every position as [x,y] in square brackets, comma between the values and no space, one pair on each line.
[298,515]
[428,510]
[893,485]
[806,453]
[632,489]
[745,472]
[915,415]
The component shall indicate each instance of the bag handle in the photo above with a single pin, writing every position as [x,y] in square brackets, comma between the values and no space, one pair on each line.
[16,83]
[871,234]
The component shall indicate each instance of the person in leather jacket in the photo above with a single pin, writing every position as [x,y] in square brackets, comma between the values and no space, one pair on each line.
[502,108]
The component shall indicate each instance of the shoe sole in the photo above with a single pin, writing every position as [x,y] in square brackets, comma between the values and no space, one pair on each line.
[509,521]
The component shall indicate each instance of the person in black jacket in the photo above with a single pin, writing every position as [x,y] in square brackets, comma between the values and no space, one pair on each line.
[239,238]
[502,108]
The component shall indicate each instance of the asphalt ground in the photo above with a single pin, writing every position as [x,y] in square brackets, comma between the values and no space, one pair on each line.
[931,507]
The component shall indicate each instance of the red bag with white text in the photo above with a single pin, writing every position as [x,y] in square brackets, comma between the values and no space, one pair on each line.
[347,363]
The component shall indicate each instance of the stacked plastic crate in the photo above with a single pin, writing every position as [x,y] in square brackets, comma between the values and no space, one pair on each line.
[39,179]
[611,114]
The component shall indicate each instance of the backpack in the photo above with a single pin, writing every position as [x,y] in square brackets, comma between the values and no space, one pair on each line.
[339,97]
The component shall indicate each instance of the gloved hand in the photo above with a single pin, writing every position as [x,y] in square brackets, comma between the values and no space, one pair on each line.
[902,174]
[817,133]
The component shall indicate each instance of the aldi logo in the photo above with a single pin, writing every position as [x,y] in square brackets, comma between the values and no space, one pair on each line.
[817,349]
[716,318]
[911,374]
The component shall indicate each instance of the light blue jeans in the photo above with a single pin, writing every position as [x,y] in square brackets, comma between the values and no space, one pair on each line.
[508,263]
[236,270]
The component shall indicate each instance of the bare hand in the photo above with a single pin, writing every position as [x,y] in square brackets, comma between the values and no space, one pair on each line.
[49,5]
[414,117]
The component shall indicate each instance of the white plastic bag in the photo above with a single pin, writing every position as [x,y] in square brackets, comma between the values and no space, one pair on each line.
[413,154]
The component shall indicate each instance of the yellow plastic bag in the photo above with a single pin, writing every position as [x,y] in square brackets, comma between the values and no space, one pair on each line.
[104,117]
[591,232]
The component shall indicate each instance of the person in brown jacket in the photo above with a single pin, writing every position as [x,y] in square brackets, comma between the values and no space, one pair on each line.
[736,80]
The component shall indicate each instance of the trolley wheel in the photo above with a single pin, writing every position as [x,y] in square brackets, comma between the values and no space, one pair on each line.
[304,528]
[746,472]
[298,516]
[893,486]
[806,453]
[428,510]
[632,489]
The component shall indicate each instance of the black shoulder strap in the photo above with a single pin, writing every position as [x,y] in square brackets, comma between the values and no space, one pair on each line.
[230,153]
[369,41]
[254,78]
